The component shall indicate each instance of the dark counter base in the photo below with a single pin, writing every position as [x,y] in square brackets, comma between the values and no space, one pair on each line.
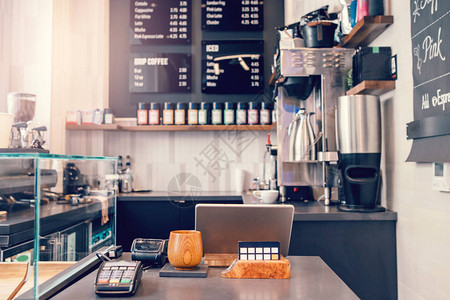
[359,247]
[362,253]
[155,217]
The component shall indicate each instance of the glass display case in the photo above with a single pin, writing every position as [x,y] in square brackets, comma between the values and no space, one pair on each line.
[55,207]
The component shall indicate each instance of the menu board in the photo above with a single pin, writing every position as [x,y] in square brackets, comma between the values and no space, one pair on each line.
[232,67]
[160,73]
[232,15]
[430,40]
[160,22]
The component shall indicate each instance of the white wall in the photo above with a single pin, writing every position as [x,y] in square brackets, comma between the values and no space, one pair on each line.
[423,239]
[80,62]
[157,157]
[25,53]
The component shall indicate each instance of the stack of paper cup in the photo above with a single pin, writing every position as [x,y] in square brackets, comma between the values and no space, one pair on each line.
[6,121]
[240,180]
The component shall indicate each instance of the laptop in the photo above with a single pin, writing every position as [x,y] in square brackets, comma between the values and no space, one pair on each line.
[223,225]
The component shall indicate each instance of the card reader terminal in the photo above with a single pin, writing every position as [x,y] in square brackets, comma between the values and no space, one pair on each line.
[118,278]
[149,251]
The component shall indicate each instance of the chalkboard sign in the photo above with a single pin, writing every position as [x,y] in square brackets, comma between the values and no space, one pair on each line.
[160,73]
[430,39]
[232,67]
[160,22]
[232,15]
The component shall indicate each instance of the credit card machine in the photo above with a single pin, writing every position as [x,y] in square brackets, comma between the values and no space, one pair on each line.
[150,251]
[118,278]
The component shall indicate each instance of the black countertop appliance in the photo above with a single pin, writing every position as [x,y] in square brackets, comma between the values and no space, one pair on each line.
[359,142]
[372,63]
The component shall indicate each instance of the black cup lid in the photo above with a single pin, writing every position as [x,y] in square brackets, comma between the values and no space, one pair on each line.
[154,106]
[229,105]
[252,105]
[265,105]
[142,105]
[217,105]
[241,105]
[193,105]
[181,105]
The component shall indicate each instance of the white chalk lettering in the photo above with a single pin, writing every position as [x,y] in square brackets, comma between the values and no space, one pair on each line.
[440,99]
[425,101]
[421,5]
[432,49]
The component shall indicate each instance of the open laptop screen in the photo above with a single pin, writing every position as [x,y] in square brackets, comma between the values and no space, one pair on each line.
[224,225]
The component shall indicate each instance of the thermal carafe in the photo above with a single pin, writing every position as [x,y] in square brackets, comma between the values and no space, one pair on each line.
[358,122]
[301,137]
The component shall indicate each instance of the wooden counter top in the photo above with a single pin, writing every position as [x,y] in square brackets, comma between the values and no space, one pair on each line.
[12,273]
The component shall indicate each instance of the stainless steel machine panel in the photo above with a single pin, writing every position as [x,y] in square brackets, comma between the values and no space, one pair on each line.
[315,61]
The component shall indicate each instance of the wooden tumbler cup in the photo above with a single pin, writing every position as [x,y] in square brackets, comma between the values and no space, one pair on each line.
[185,249]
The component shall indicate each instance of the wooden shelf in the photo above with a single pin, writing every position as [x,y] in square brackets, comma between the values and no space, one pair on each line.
[372,87]
[366,30]
[174,127]
[92,127]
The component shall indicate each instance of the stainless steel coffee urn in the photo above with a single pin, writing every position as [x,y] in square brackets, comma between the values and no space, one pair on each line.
[358,122]
[311,81]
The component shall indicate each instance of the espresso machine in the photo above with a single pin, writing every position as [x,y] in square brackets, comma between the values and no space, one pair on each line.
[325,138]
[311,81]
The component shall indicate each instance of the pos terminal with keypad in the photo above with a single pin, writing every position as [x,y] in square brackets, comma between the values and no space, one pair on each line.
[118,277]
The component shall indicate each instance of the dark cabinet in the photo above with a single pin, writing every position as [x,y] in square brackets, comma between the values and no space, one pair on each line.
[155,219]
[144,219]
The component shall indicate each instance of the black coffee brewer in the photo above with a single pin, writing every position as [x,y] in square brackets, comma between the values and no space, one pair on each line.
[74,182]
[358,121]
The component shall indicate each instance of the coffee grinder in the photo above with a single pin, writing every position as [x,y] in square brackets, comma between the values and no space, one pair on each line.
[22,106]
[311,81]
[358,120]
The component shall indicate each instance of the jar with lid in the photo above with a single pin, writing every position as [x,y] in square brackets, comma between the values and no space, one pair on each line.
[216,114]
[274,113]
[241,114]
[180,114]
[142,113]
[108,116]
[228,113]
[253,116]
[265,114]
[255,183]
[153,114]
[193,113]
[168,114]
[203,114]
